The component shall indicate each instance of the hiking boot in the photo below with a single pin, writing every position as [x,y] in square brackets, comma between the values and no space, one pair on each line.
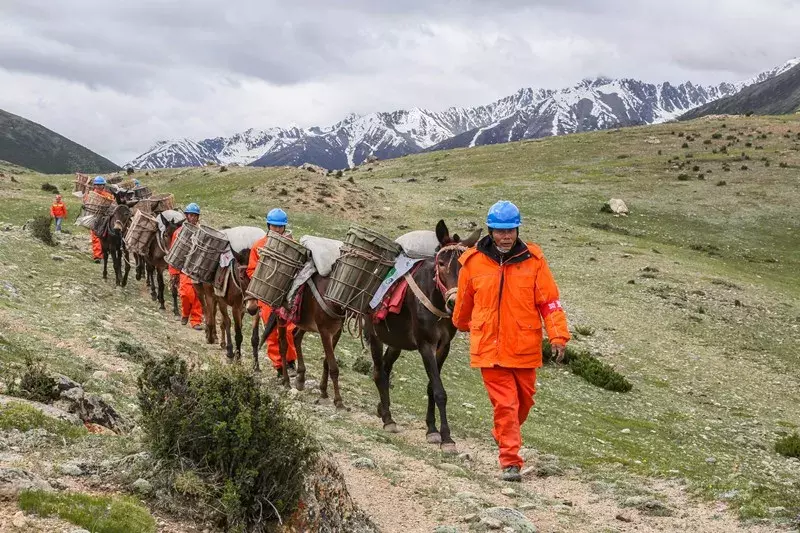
[279,370]
[198,327]
[97,261]
[511,473]
[184,320]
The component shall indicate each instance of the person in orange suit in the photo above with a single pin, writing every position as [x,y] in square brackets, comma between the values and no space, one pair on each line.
[505,292]
[99,186]
[277,220]
[191,307]
[59,212]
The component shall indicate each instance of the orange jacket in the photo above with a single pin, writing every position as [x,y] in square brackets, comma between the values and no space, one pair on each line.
[58,210]
[502,302]
[253,262]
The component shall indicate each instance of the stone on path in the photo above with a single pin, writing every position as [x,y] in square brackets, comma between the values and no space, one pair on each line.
[506,517]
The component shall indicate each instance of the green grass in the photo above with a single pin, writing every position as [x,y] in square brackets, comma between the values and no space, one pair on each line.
[24,417]
[97,514]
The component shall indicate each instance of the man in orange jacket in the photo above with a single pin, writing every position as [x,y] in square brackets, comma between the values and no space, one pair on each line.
[191,307]
[59,212]
[99,186]
[505,292]
[277,221]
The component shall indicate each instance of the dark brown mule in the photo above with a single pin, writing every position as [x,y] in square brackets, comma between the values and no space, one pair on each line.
[154,260]
[110,230]
[317,316]
[233,298]
[416,327]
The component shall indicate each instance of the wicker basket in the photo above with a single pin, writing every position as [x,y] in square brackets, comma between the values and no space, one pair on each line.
[140,193]
[127,184]
[81,182]
[207,245]
[113,180]
[176,257]
[95,204]
[367,257]
[141,233]
[278,264]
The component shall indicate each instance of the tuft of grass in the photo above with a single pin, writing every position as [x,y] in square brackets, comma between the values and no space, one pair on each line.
[49,187]
[589,368]
[40,228]
[133,352]
[98,514]
[586,331]
[362,365]
[789,446]
[23,417]
[35,384]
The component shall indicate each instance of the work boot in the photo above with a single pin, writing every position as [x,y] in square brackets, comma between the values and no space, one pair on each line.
[184,320]
[97,261]
[511,473]
[198,327]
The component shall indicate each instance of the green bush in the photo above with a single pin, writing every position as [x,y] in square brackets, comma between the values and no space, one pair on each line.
[133,352]
[35,383]
[40,227]
[49,187]
[789,446]
[362,365]
[589,368]
[250,454]
[99,514]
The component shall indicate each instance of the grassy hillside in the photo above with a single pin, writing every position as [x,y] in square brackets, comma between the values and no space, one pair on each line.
[776,96]
[31,145]
[694,297]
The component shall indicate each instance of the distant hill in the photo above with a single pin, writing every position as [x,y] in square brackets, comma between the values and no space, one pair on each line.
[775,96]
[31,145]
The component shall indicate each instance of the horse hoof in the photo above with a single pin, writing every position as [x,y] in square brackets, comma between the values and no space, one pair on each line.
[449,448]
[391,428]
[434,438]
[299,385]
[256,369]
[340,406]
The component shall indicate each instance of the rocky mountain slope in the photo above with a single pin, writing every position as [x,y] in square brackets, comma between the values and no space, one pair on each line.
[31,145]
[778,95]
[529,113]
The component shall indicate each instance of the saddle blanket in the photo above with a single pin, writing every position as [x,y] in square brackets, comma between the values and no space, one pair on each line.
[393,300]
[402,265]
[292,312]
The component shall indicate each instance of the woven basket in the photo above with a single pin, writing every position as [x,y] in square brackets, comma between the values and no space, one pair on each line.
[278,263]
[176,257]
[140,193]
[366,259]
[127,184]
[141,233]
[207,245]
[155,204]
[95,204]
[113,180]
[81,182]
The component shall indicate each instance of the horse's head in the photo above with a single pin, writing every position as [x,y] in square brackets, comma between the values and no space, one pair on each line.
[120,218]
[447,265]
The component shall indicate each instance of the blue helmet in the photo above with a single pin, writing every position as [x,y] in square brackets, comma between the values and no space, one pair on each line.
[192,209]
[99,180]
[277,217]
[503,215]
[136,183]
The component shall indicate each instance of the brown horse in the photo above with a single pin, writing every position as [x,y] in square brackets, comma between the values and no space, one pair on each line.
[417,327]
[154,260]
[317,316]
[110,230]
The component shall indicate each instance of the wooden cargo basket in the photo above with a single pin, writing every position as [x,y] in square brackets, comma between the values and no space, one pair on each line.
[367,257]
[155,204]
[278,263]
[140,193]
[141,232]
[176,257]
[207,245]
[95,204]
[81,182]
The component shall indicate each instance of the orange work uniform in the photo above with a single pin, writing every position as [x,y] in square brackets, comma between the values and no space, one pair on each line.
[191,307]
[273,343]
[503,299]
[97,245]
[58,210]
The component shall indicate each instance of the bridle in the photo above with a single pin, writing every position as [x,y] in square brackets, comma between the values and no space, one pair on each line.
[447,294]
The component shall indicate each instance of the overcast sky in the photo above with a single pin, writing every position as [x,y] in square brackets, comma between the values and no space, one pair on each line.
[116,75]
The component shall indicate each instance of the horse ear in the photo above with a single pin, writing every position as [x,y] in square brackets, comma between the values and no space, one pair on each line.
[470,241]
[442,233]
[456,238]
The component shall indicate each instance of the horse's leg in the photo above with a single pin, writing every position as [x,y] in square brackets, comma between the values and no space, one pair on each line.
[300,380]
[323,381]
[381,382]
[105,262]
[254,341]
[238,314]
[173,288]
[140,266]
[283,346]
[430,360]
[151,282]
[127,269]
[333,368]
[160,279]
[227,341]
[434,437]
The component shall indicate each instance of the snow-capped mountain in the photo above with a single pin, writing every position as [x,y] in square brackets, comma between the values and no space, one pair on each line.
[529,113]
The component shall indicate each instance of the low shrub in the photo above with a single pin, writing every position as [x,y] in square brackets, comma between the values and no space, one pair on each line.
[133,352]
[40,228]
[722,183]
[99,514]
[362,365]
[683,177]
[685,145]
[589,368]
[35,383]
[586,331]
[716,136]
[249,452]
[49,187]
[789,446]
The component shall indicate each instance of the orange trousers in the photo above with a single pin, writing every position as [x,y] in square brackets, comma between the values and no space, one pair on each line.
[511,392]
[273,344]
[191,307]
[97,247]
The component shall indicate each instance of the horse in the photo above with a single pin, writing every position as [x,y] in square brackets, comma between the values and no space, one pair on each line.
[317,316]
[110,229]
[154,261]
[423,324]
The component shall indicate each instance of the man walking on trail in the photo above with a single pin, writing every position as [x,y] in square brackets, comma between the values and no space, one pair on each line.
[505,292]
[191,308]
[59,212]
[277,220]
[99,187]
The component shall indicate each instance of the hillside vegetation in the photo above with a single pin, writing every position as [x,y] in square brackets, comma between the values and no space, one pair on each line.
[31,145]
[694,298]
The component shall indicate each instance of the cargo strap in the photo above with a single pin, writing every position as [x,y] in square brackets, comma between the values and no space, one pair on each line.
[424,299]
[321,301]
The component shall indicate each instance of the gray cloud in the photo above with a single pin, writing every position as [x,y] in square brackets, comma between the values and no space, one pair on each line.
[117,76]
